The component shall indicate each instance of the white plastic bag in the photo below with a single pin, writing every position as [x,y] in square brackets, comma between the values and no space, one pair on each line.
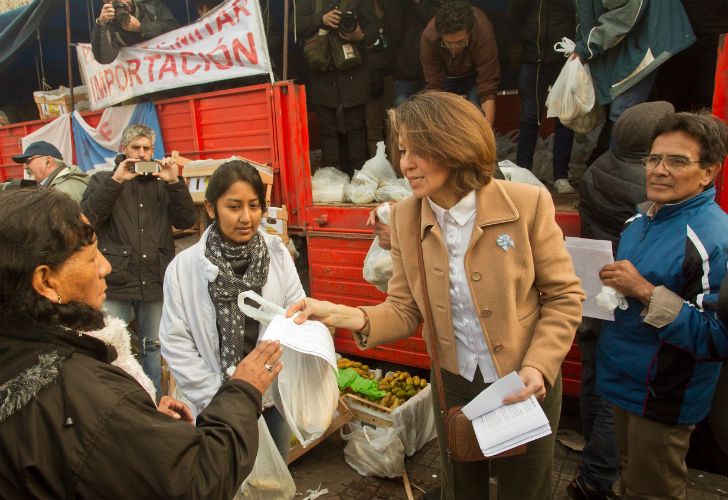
[514,173]
[374,451]
[306,391]
[415,421]
[270,478]
[572,99]
[378,265]
[361,189]
[328,185]
[378,167]
[394,190]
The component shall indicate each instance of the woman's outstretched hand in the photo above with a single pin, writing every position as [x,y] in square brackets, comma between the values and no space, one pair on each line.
[328,313]
[261,366]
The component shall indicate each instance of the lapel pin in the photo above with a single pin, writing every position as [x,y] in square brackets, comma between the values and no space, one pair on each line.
[505,242]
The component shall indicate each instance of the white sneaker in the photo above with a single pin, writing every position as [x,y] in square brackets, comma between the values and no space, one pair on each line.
[562,186]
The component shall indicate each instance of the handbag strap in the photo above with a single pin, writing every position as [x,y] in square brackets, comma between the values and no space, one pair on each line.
[430,327]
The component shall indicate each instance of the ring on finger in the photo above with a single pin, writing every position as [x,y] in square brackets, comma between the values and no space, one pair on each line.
[268,367]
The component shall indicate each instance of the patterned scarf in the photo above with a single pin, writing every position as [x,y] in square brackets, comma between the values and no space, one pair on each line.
[241,268]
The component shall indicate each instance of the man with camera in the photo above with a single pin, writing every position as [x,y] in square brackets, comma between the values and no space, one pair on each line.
[338,86]
[133,209]
[122,23]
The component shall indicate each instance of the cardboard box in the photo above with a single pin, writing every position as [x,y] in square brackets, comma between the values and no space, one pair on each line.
[275,222]
[342,416]
[197,174]
[53,103]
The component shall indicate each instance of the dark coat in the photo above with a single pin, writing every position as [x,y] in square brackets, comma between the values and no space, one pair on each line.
[134,222]
[154,17]
[542,24]
[334,88]
[118,445]
[409,19]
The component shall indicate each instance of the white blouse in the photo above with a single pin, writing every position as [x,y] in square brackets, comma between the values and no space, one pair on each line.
[457,225]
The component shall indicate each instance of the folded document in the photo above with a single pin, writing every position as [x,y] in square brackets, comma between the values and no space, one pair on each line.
[500,427]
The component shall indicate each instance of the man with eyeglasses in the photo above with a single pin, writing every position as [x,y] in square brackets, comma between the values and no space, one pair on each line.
[459,54]
[658,362]
[44,163]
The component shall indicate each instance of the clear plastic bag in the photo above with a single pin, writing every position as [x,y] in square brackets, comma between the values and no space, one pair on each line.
[514,173]
[270,478]
[394,190]
[378,265]
[361,189]
[328,185]
[572,98]
[374,451]
[379,168]
[415,421]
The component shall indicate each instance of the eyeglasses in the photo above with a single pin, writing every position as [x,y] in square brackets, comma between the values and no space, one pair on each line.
[28,160]
[454,45]
[672,163]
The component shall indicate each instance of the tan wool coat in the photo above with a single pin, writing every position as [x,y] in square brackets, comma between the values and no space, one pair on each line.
[527,295]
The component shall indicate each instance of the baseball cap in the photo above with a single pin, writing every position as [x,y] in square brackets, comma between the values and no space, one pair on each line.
[39,148]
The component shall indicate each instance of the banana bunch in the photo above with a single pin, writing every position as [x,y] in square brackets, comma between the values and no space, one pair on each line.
[357,366]
[401,386]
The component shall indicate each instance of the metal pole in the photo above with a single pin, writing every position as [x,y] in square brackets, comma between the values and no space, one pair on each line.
[285,40]
[68,52]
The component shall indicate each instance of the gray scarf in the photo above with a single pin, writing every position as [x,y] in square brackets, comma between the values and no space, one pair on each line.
[241,268]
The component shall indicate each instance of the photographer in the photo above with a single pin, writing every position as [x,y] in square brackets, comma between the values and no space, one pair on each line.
[133,214]
[122,23]
[339,85]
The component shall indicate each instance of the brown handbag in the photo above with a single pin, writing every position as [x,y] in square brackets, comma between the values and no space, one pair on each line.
[462,445]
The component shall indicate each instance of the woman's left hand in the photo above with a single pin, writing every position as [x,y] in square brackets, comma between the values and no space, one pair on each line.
[175,409]
[533,380]
[627,280]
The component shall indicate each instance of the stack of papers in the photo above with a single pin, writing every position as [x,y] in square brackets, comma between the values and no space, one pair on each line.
[500,427]
[589,256]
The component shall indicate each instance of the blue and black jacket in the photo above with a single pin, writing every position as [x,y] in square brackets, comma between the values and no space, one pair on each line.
[669,374]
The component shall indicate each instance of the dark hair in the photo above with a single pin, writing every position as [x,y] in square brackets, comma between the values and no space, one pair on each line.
[710,132]
[454,16]
[228,174]
[40,227]
[210,4]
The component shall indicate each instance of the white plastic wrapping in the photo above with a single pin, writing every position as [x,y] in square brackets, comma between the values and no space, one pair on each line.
[361,189]
[270,478]
[329,185]
[373,451]
[379,168]
[393,190]
[415,421]
[378,265]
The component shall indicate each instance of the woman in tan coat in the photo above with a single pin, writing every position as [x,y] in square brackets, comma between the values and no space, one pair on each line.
[501,285]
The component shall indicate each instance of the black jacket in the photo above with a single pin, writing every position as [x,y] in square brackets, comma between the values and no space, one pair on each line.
[542,24]
[118,445]
[154,17]
[134,225]
[334,88]
[410,19]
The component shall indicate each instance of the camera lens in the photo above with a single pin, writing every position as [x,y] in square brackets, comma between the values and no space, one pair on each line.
[121,12]
[348,23]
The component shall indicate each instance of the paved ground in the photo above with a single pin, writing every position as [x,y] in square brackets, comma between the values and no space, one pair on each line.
[324,467]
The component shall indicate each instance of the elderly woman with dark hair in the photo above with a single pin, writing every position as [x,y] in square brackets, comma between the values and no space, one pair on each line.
[658,362]
[503,291]
[76,420]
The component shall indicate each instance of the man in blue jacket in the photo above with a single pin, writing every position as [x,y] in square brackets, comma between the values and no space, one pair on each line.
[658,362]
[625,43]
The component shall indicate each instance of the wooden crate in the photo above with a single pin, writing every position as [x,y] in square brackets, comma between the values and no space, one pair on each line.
[344,415]
[368,412]
[197,177]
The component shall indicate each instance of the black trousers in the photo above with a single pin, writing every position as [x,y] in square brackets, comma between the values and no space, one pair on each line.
[347,154]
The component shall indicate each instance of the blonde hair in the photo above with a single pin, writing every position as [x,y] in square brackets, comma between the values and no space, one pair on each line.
[449,130]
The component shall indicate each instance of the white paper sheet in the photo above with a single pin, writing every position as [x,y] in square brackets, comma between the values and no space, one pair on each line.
[492,397]
[589,256]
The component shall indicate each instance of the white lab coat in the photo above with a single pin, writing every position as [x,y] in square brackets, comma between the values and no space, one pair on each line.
[188,330]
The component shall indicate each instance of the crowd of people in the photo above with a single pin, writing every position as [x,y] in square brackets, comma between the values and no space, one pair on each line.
[81,256]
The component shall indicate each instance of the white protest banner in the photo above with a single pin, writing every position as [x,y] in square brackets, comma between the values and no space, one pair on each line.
[227,43]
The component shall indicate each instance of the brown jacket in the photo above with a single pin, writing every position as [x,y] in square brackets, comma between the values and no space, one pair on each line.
[481,57]
[528,297]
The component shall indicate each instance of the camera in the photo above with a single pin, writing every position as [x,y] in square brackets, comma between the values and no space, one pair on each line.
[122,12]
[145,167]
[348,22]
